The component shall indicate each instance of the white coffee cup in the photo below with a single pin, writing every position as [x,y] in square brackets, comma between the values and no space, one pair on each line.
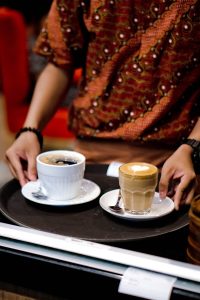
[60,173]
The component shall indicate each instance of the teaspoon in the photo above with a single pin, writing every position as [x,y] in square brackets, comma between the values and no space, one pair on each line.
[39,194]
[116,208]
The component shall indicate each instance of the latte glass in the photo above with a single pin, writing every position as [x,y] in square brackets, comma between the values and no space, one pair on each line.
[60,173]
[138,181]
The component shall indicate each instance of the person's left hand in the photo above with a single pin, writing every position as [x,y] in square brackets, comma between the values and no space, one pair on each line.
[178,179]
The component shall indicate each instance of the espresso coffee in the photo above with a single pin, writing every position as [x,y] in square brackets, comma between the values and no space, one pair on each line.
[137,182]
[60,173]
[57,160]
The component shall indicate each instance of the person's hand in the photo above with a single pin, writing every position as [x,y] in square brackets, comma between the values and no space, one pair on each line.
[178,179]
[21,157]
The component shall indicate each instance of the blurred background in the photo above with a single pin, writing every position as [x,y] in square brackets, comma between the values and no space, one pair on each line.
[20,24]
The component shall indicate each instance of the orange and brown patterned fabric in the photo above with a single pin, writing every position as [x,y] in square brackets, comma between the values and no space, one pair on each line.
[141,65]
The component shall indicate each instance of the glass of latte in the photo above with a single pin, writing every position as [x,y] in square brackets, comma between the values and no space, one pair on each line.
[138,181]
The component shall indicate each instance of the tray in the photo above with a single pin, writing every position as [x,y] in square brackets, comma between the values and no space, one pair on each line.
[85,221]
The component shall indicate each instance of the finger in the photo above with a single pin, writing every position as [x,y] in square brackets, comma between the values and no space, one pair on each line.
[26,175]
[20,174]
[32,171]
[172,187]
[177,198]
[182,190]
[189,197]
[164,184]
[191,193]
[12,169]
[17,170]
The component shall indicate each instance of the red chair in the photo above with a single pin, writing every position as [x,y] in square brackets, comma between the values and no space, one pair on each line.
[15,76]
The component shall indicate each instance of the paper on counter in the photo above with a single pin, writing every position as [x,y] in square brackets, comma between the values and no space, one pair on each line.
[146,284]
[113,169]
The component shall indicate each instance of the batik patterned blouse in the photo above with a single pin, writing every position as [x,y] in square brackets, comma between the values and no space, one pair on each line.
[141,65]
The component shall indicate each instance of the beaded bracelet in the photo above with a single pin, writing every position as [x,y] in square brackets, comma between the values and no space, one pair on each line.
[34,130]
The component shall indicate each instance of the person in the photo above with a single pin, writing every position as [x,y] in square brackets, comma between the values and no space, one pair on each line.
[138,98]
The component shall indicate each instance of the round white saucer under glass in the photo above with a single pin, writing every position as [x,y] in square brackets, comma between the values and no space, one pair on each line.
[159,207]
[88,192]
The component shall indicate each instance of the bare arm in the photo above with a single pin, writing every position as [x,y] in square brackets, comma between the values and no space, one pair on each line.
[178,168]
[50,87]
[48,93]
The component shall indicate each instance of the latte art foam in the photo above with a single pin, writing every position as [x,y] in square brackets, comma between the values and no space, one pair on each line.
[138,169]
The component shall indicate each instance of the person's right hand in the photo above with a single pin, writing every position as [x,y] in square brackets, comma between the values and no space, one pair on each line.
[21,157]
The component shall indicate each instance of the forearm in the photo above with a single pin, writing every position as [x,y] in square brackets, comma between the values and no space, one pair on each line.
[49,90]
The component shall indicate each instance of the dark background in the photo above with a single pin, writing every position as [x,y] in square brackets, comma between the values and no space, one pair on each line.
[32,10]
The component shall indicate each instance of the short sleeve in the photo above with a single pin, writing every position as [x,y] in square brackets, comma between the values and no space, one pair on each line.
[61,39]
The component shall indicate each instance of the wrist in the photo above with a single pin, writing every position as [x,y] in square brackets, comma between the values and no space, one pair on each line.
[193,146]
[187,148]
[34,130]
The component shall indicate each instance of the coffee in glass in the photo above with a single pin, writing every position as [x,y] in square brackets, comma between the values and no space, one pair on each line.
[138,181]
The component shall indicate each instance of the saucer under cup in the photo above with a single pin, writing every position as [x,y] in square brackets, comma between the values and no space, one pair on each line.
[61,182]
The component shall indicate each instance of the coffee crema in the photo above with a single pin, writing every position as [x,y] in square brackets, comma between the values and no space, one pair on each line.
[58,160]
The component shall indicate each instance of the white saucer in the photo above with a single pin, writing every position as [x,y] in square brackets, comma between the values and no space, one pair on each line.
[159,208]
[88,192]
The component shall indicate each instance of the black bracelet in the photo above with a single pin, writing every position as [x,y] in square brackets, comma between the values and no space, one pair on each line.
[34,130]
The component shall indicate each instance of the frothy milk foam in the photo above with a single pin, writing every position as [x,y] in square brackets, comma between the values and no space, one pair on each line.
[138,181]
